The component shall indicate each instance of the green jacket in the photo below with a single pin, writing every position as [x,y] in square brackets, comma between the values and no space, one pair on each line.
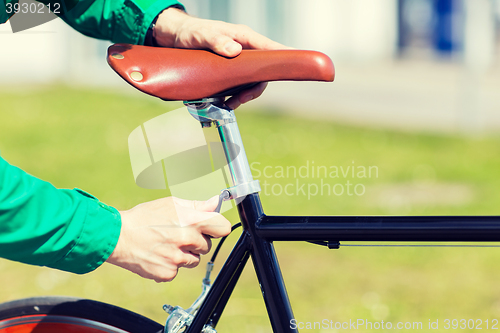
[69,229]
[120,21]
[41,225]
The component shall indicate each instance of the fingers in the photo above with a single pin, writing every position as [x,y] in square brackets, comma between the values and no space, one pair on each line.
[165,271]
[184,259]
[229,39]
[168,258]
[174,28]
[246,96]
[222,44]
[202,206]
[207,223]
[192,262]
[194,242]
[159,237]
[199,214]
[250,39]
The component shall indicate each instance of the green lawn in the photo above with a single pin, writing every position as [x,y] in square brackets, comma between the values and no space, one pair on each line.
[78,138]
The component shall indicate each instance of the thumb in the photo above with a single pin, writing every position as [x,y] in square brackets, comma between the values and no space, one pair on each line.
[201,206]
[224,45]
[209,205]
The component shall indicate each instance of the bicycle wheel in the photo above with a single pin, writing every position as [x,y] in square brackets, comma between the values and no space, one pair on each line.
[71,315]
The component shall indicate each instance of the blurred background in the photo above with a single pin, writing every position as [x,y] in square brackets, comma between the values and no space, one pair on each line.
[416,96]
[412,64]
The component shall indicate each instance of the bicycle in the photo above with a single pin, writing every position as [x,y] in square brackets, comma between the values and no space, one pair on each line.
[199,78]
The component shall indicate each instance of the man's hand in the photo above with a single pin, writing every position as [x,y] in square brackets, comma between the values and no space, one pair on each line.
[159,237]
[175,28]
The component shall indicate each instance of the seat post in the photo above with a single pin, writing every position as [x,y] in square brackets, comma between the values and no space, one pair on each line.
[212,111]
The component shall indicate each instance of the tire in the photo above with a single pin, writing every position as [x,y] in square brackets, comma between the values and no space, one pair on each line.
[71,315]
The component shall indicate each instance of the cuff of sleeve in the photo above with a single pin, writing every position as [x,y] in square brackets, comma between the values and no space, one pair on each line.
[97,240]
[151,14]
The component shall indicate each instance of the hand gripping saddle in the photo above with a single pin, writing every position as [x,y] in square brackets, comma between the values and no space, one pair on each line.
[187,75]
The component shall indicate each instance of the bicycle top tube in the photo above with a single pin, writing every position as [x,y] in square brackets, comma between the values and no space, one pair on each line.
[186,75]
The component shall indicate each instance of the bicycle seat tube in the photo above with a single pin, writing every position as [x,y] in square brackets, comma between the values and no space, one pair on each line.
[211,111]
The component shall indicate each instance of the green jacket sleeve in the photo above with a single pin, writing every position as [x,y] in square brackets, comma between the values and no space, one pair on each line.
[120,21]
[65,229]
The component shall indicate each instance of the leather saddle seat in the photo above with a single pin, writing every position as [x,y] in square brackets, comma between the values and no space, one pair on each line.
[187,75]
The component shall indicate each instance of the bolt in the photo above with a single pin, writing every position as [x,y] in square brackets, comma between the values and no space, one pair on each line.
[168,308]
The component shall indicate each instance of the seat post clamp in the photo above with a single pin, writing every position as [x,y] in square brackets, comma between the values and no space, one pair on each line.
[210,110]
[242,190]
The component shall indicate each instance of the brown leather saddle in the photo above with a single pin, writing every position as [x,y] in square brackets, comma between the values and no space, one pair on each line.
[187,75]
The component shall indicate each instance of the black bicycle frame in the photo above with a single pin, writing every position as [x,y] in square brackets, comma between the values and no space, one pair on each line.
[259,232]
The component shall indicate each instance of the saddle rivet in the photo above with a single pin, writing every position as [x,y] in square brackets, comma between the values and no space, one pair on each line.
[117,56]
[136,76]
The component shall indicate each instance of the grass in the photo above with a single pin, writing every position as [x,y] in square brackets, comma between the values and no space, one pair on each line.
[78,138]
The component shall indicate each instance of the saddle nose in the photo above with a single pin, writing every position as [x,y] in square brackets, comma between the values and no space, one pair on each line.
[184,75]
